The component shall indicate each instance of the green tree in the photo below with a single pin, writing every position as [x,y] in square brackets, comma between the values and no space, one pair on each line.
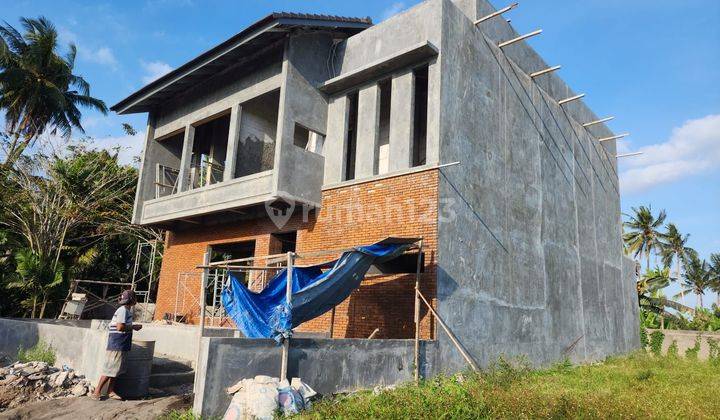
[37,277]
[38,89]
[72,213]
[643,237]
[673,247]
[697,278]
[715,276]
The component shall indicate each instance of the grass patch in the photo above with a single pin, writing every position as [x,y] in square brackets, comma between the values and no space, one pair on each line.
[186,414]
[40,352]
[639,385]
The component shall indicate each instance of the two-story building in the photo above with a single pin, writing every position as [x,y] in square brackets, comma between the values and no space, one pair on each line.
[424,125]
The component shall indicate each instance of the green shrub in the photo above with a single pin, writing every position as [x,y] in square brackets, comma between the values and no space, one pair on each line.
[505,371]
[644,375]
[643,338]
[714,353]
[40,352]
[692,352]
[656,341]
[672,350]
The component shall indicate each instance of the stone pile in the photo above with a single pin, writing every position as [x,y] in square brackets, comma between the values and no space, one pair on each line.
[43,381]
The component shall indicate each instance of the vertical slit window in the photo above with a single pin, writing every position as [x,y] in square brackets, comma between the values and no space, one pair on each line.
[351,136]
[420,98]
[383,147]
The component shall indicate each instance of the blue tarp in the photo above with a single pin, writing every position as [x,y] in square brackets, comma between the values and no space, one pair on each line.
[266,314]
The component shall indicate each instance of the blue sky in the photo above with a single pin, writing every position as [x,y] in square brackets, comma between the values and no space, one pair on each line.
[654,64]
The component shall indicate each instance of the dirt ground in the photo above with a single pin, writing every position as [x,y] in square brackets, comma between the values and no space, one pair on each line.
[85,408]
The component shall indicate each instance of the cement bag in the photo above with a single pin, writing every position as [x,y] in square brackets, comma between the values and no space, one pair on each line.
[291,402]
[254,399]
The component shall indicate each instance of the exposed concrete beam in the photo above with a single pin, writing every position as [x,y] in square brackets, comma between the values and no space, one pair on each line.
[570,99]
[619,136]
[233,140]
[541,72]
[520,38]
[496,13]
[184,173]
[629,154]
[145,185]
[600,121]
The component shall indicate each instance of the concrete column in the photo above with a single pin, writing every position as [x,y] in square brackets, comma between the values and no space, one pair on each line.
[146,176]
[184,176]
[368,132]
[336,140]
[401,121]
[233,140]
[432,149]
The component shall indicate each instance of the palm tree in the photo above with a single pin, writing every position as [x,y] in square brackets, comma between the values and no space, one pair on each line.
[697,278]
[38,89]
[715,276]
[673,247]
[643,236]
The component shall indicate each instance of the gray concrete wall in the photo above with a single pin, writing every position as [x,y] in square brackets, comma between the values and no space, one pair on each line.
[178,342]
[686,340]
[531,260]
[299,173]
[258,129]
[324,364]
[81,344]
[80,347]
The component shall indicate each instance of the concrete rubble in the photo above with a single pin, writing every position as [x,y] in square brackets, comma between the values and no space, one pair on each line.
[21,383]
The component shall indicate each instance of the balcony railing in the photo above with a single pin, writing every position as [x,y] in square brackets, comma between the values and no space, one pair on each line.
[201,175]
[166,181]
[206,173]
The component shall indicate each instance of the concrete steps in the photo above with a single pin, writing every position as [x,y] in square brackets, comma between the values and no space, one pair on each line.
[167,372]
[169,379]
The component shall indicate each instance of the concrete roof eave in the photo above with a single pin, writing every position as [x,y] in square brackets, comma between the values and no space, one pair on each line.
[262,33]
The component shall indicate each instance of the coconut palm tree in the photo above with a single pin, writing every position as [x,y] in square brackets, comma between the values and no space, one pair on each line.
[644,235]
[715,276]
[697,278]
[38,90]
[673,247]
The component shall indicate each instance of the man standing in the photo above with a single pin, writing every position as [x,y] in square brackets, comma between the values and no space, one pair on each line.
[119,345]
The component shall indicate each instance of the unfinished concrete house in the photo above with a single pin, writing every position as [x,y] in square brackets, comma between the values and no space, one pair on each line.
[307,133]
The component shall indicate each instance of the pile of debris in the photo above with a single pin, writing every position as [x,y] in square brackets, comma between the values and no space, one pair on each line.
[21,383]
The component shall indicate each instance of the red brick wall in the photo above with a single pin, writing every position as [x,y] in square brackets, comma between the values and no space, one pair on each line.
[353,215]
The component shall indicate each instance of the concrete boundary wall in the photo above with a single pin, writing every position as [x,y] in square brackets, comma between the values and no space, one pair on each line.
[81,344]
[80,347]
[326,365]
[686,339]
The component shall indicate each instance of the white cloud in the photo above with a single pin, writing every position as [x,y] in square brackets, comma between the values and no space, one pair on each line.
[154,70]
[102,55]
[692,149]
[393,10]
